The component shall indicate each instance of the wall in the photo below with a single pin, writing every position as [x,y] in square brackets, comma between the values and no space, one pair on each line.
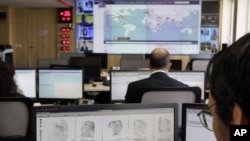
[29,43]
[4,28]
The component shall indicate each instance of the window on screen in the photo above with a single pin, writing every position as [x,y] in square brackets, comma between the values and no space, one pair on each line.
[120,81]
[146,124]
[191,79]
[26,81]
[139,26]
[61,84]
[195,131]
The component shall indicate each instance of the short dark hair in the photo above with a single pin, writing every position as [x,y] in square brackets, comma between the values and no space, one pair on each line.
[228,74]
[159,59]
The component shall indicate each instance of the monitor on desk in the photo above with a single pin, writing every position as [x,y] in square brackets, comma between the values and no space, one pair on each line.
[121,78]
[191,78]
[91,65]
[192,129]
[26,81]
[60,85]
[107,122]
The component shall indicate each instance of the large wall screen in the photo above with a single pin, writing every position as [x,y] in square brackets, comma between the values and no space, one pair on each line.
[138,26]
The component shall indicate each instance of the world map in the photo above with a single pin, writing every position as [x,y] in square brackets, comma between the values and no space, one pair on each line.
[152,23]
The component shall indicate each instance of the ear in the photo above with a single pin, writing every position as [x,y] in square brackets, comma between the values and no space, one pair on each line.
[169,66]
[238,116]
[149,65]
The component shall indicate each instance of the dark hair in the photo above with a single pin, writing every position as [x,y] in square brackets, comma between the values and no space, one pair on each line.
[228,74]
[8,87]
[159,58]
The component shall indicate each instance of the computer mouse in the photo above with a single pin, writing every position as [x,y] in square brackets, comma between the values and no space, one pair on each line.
[94,85]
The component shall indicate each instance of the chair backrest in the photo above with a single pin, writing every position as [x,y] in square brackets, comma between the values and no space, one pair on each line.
[199,64]
[171,95]
[15,119]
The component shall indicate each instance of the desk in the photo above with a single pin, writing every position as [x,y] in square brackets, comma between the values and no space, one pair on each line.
[98,88]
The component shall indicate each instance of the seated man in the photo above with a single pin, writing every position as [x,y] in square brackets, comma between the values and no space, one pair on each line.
[159,64]
[229,100]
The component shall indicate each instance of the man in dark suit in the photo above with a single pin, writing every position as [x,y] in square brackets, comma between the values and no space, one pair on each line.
[159,64]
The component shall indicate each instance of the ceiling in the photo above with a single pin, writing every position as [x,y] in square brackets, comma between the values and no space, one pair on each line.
[37,3]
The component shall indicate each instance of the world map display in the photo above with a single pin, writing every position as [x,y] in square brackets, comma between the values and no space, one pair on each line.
[156,24]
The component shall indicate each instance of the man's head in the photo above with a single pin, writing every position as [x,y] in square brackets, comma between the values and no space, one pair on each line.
[228,74]
[159,59]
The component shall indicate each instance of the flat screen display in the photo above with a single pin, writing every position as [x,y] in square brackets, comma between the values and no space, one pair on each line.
[26,81]
[60,83]
[138,26]
[121,78]
[112,122]
[192,128]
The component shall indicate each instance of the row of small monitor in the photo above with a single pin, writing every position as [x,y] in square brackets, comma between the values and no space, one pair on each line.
[69,83]
[50,83]
[144,122]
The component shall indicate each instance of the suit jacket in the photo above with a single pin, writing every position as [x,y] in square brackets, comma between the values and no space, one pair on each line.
[156,80]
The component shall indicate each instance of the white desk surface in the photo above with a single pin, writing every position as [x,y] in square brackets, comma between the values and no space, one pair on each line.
[99,87]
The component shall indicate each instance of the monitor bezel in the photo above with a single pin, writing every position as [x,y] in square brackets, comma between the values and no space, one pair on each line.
[101,107]
[36,82]
[185,106]
[89,77]
[110,90]
[204,87]
[59,101]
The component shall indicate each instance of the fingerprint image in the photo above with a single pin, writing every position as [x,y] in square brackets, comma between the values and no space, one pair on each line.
[164,125]
[60,132]
[115,127]
[140,128]
[88,129]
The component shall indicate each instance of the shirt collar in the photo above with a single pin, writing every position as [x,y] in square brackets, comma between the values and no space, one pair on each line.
[158,71]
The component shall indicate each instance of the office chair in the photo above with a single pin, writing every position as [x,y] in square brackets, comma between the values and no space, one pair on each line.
[177,95]
[167,95]
[199,64]
[15,119]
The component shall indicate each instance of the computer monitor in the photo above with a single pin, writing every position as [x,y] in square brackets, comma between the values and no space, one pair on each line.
[191,78]
[107,122]
[119,80]
[91,65]
[60,85]
[26,81]
[104,58]
[192,129]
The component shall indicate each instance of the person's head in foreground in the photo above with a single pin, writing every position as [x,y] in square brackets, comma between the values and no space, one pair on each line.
[159,60]
[8,87]
[228,74]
